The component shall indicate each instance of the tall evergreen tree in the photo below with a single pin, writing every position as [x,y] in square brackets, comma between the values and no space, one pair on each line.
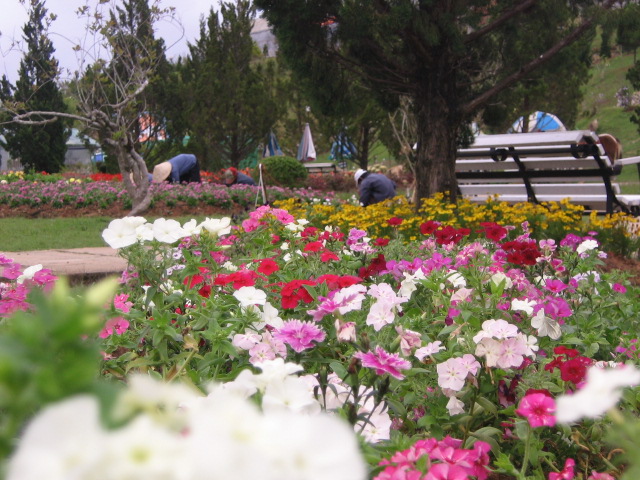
[230,106]
[449,57]
[39,147]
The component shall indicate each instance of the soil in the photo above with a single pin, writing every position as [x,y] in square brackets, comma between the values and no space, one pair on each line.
[612,262]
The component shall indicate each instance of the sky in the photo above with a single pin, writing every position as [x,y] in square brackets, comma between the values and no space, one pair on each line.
[68,30]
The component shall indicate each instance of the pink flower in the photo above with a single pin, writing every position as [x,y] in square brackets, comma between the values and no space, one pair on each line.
[121,303]
[116,325]
[620,289]
[452,374]
[600,476]
[538,409]
[299,335]
[566,473]
[383,362]
[346,332]
[444,471]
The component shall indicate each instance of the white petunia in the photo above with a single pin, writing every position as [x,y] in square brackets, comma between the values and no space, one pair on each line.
[457,280]
[498,278]
[523,306]
[586,246]
[291,394]
[429,349]
[144,232]
[546,326]
[601,392]
[167,231]
[65,440]
[192,227]
[28,273]
[455,406]
[217,226]
[120,233]
[248,296]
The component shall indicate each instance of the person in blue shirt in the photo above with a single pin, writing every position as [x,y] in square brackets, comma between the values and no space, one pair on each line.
[232,177]
[373,187]
[179,169]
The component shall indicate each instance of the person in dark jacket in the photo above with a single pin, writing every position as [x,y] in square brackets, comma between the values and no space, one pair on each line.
[232,177]
[181,168]
[374,187]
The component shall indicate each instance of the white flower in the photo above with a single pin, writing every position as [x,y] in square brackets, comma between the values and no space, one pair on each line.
[455,406]
[498,278]
[601,392]
[192,228]
[65,440]
[546,326]
[284,246]
[586,246]
[429,349]
[523,306]
[121,232]
[144,232]
[270,316]
[217,226]
[143,450]
[167,231]
[230,266]
[248,296]
[292,394]
[377,428]
[457,280]
[293,454]
[28,273]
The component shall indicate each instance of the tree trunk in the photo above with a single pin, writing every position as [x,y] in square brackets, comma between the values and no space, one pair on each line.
[135,178]
[437,125]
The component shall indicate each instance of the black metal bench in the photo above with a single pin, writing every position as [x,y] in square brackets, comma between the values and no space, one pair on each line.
[544,167]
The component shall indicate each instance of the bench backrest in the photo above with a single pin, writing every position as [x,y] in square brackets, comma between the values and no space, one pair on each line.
[538,167]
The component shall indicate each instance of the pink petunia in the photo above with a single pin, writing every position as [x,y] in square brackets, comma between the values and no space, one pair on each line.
[299,335]
[121,303]
[538,409]
[567,472]
[116,325]
[383,362]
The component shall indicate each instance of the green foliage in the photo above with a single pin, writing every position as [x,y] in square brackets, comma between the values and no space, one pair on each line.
[285,171]
[39,147]
[48,353]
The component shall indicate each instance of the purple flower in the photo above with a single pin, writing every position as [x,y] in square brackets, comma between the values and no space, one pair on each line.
[299,335]
[383,362]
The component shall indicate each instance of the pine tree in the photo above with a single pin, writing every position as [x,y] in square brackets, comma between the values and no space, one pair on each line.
[39,147]
[230,105]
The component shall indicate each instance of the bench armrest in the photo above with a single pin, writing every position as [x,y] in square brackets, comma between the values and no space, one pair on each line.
[628,161]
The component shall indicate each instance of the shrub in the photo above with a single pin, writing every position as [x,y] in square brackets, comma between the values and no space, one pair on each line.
[285,171]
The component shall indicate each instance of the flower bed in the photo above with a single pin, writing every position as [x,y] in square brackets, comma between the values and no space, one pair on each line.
[464,353]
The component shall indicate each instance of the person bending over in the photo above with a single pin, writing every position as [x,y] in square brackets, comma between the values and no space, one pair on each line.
[374,187]
[232,177]
[179,169]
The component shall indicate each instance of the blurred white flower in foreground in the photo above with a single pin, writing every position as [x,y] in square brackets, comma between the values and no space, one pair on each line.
[602,391]
[221,435]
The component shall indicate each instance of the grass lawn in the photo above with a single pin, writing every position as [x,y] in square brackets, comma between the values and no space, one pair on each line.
[53,233]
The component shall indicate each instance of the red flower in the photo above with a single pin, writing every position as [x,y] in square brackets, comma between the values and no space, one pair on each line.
[569,352]
[381,242]
[268,266]
[395,221]
[493,231]
[574,370]
[427,228]
[335,282]
[294,292]
[376,266]
[328,255]
[521,253]
[313,247]
[309,232]
[448,235]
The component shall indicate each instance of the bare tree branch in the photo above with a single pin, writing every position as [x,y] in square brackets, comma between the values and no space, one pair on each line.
[506,16]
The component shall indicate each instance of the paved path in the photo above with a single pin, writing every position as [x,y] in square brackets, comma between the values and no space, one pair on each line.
[80,263]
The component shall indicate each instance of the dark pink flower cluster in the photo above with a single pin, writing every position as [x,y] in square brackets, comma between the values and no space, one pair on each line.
[431,459]
[15,285]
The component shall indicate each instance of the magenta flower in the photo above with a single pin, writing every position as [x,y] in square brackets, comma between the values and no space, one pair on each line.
[299,335]
[619,288]
[567,472]
[538,409]
[384,362]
